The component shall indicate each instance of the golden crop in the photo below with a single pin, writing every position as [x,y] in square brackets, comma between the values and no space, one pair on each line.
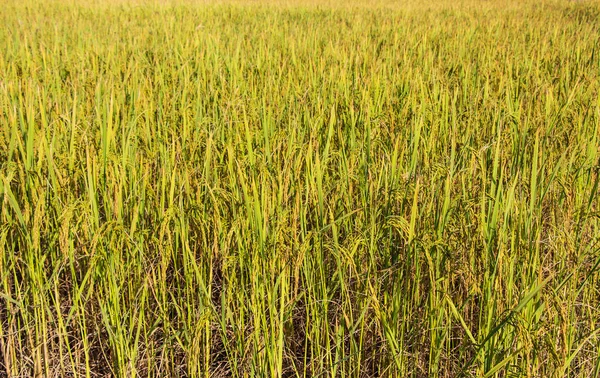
[299,188]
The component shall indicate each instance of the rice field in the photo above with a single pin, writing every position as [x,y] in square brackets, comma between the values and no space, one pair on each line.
[300,188]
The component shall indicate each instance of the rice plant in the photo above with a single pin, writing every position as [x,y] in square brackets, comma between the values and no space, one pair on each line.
[299,188]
